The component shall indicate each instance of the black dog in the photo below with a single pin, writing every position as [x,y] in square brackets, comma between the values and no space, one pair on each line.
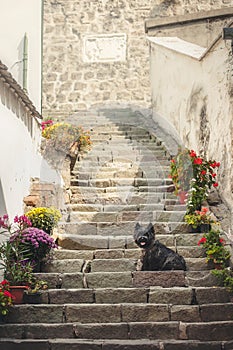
[156,257]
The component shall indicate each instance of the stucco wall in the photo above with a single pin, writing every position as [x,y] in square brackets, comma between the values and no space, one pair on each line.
[16,19]
[19,153]
[196,97]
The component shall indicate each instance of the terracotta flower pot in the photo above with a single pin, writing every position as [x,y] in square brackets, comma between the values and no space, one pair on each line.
[182,197]
[18,292]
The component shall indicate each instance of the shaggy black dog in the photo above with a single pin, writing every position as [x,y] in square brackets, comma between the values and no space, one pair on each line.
[156,257]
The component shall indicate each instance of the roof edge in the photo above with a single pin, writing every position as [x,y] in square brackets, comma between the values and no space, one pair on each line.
[18,90]
[158,23]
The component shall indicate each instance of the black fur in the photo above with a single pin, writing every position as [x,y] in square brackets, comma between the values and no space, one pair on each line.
[156,256]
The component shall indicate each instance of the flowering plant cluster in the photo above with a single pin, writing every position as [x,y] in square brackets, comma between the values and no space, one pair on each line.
[44,218]
[45,123]
[215,249]
[6,298]
[199,217]
[26,247]
[39,243]
[62,136]
[192,173]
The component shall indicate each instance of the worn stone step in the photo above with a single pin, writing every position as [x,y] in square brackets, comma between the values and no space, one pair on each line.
[111,265]
[114,313]
[111,344]
[126,216]
[116,229]
[119,241]
[114,181]
[186,252]
[172,296]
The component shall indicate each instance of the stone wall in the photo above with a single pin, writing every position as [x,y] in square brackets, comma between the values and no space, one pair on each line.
[95,51]
[182,7]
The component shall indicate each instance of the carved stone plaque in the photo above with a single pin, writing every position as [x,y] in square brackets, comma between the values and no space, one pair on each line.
[104,48]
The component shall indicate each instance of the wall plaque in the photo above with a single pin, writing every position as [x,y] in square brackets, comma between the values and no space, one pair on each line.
[104,48]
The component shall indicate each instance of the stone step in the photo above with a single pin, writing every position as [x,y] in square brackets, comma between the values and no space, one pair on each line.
[125,216]
[156,295]
[122,198]
[116,313]
[111,344]
[117,241]
[156,330]
[129,279]
[110,182]
[111,265]
[116,207]
[113,241]
[186,252]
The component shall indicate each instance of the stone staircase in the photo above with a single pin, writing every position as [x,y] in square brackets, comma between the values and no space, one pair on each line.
[97,300]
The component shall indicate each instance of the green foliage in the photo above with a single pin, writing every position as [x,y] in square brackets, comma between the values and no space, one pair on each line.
[225,277]
[215,249]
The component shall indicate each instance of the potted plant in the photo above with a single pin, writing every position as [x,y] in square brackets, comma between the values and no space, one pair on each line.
[6,299]
[38,244]
[216,252]
[34,292]
[181,174]
[44,218]
[200,220]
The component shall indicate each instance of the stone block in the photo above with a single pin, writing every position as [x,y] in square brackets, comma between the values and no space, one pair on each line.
[191,345]
[23,313]
[109,280]
[132,253]
[201,279]
[121,295]
[117,242]
[191,252]
[73,254]
[86,313]
[212,295]
[216,312]
[65,265]
[114,265]
[65,296]
[144,313]
[69,241]
[196,264]
[174,296]
[101,331]
[213,331]
[185,313]
[9,344]
[72,280]
[109,254]
[166,279]
[190,239]
[143,344]
[154,330]
[73,344]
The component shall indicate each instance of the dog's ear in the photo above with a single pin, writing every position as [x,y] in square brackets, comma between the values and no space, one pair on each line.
[137,226]
[150,228]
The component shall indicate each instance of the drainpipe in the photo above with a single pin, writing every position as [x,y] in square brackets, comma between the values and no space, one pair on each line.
[25,62]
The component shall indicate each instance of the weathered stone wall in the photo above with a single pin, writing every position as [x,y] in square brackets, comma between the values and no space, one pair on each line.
[182,7]
[78,72]
[82,68]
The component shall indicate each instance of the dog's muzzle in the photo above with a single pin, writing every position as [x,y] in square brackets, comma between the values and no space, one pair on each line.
[142,241]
